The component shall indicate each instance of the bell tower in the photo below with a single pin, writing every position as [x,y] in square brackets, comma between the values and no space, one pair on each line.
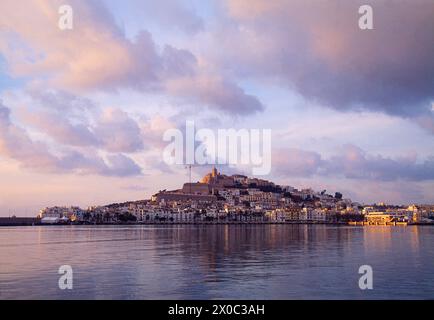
[214,172]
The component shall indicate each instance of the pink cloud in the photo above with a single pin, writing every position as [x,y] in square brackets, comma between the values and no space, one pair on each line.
[118,132]
[16,144]
[96,55]
[295,162]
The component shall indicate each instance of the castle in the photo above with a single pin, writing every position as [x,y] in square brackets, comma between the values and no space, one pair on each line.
[209,187]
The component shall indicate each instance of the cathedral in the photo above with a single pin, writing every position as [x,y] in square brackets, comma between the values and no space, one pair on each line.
[218,181]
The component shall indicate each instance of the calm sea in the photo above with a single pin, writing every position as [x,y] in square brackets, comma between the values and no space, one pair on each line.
[217,262]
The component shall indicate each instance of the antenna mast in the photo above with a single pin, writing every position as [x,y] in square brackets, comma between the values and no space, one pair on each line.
[189,170]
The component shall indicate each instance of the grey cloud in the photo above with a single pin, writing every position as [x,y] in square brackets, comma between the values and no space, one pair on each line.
[178,62]
[174,14]
[216,93]
[117,165]
[318,50]
[354,163]
[118,132]
[62,101]
[351,162]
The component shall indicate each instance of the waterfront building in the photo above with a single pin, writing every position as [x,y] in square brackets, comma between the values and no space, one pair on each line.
[386,217]
[415,214]
[60,214]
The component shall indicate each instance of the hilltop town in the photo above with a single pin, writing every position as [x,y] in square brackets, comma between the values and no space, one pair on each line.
[219,198]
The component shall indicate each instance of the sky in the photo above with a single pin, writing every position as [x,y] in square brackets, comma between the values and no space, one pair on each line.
[83,111]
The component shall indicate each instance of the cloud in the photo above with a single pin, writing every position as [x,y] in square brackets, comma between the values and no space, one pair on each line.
[15,143]
[296,162]
[61,101]
[118,132]
[352,162]
[114,130]
[426,122]
[60,128]
[70,121]
[117,165]
[215,92]
[153,129]
[96,55]
[318,50]
[174,14]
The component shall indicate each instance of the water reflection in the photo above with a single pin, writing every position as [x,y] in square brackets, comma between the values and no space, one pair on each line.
[216,262]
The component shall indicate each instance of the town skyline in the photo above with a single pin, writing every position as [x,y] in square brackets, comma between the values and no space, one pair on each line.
[220,198]
[152,194]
